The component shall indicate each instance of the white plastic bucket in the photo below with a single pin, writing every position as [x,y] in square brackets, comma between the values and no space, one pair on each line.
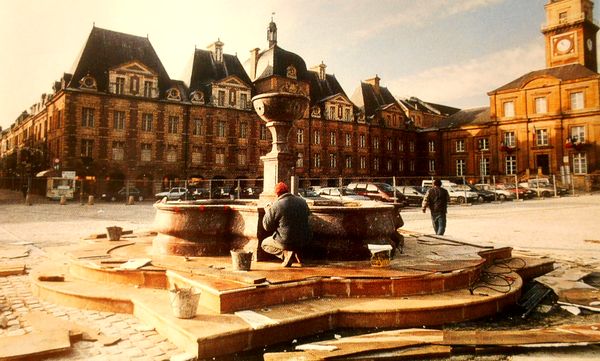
[184,302]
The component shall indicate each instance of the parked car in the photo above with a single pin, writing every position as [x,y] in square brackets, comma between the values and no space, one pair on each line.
[251,192]
[377,191]
[122,194]
[483,195]
[341,194]
[310,194]
[523,193]
[542,187]
[501,193]
[459,193]
[199,193]
[173,194]
[413,195]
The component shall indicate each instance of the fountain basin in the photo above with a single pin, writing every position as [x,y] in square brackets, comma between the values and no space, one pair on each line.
[213,228]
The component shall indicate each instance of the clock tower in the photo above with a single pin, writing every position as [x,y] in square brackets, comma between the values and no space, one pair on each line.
[570,33]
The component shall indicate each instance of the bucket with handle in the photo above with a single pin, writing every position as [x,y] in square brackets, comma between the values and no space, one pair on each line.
[184,301]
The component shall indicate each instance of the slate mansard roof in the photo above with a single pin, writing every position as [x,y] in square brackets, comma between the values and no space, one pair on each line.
[371,100]
[563,73]
[474,116]
[322,89]
[275,61]
[206,70]
[106,49]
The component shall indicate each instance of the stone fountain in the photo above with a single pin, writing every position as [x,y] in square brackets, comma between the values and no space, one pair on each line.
[212,228]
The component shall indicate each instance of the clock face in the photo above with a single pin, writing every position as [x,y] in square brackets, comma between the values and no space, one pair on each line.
[564,45]
[590,44]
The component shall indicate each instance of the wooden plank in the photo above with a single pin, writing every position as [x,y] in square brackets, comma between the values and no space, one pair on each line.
[562,334]
[409,353]
[34,344]
[12,269]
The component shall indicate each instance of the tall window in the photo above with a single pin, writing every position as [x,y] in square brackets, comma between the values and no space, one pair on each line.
[171,153]
[300,136]
[87,148]
[148,89]
[578,134]
[362,141]
[243,129]
[460,145]
[119,85]
[412,166]
[300,160]
[389,145]
[400,165]
[580,163]
[400,145]
[510,165]
[363,162]
[411,146]
[197,126]
[220,156]
[484,166]
[317,160]
[389,165]
[332,161]
[221,98]
[196,155]
[541,106]
[332,138]
[510,140]
[147,120]
[332,112]
[431,145]
[348,140]
[541,137]
[347,114]
[577,101]
[431,166]
[87,117]
[243,100]
[348,161]
[483,144]
[221,129]
[376,163]
[173,122]
[509,109]
[118,150]
[118,120]
[375,142]
[146,152]
[316,137]
[461,167]
[241,158]
[263,132]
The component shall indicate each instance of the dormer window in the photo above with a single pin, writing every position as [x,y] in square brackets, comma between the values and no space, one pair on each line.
[88,82]
[197,97]
[173,94]
[291,72]
[119,85]
[134,85]
[148,85]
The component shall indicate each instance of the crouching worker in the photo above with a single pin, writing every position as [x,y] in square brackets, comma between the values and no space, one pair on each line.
[287,220]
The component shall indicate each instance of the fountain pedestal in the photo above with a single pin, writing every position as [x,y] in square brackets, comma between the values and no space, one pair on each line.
[279,110]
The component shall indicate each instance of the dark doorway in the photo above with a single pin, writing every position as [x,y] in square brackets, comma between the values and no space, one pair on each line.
[543,162]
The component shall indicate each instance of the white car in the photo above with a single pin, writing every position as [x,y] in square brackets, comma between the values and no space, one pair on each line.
[341,194]
[173,194]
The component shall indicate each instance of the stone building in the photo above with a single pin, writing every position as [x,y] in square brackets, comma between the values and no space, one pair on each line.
[544,122]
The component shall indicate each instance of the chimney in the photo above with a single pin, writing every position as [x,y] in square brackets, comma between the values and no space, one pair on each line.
[253,61]
[320,69]
[216,49]
[375,82]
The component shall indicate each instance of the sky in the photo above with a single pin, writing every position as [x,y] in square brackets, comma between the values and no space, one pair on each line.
[449,52]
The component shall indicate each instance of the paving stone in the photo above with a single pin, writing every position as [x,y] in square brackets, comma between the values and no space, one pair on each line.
[17,332]
[133,352]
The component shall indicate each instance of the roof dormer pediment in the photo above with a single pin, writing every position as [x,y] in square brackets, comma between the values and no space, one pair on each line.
[134,67]
[338,98]
[232,81]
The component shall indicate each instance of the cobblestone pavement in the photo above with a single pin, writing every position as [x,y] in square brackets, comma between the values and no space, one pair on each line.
[565,228]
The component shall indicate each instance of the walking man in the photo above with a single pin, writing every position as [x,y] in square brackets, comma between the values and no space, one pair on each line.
[437,199]
[287,220]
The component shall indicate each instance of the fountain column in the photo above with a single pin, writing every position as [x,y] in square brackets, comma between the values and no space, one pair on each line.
[279,110]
